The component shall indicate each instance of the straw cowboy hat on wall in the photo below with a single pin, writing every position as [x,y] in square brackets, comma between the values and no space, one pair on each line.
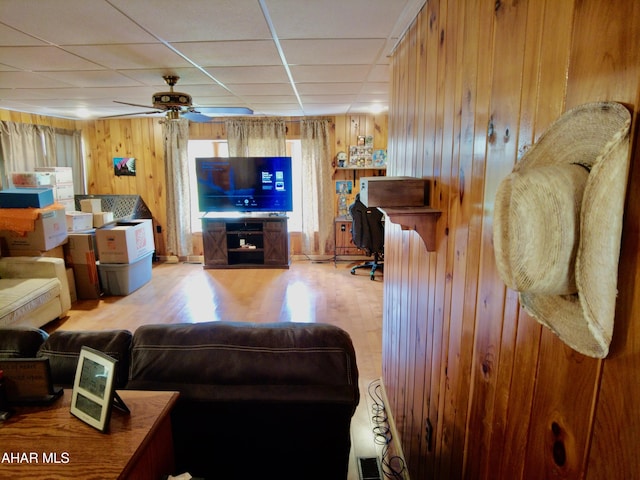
[558,224]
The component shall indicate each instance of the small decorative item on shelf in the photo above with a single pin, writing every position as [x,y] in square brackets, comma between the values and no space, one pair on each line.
[342,159]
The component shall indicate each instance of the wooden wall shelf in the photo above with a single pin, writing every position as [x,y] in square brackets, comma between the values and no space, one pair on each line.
[421,219]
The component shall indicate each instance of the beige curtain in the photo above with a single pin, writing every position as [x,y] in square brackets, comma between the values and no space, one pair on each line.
[68,148]
[256,137]
[317,188]
[176,139]
[25,146]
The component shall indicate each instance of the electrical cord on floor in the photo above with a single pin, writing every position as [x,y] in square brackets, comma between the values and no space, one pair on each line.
[393,466]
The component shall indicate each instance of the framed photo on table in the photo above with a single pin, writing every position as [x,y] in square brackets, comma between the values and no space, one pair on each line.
[94,388]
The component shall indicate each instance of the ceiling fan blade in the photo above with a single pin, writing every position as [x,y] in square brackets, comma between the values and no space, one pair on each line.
[196,117]
[132,114]
[134,104]
[222,111]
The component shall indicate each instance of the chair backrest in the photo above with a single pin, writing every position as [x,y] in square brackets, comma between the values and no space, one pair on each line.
[62,348]
[21,342]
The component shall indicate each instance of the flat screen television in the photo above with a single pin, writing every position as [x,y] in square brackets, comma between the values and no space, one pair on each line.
[244,184]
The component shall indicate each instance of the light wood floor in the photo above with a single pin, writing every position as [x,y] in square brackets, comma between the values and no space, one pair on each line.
[307,292]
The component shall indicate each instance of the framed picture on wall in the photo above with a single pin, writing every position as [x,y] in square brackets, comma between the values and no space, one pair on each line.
[344,187]
[124,166]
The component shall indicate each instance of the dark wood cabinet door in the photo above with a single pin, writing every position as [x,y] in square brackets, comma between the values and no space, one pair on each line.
[214,239]
[276,251]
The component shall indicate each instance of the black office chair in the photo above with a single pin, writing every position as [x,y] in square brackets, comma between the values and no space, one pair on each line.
[368,234]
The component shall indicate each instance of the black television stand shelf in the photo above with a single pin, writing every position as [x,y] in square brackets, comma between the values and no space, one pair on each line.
[245,242]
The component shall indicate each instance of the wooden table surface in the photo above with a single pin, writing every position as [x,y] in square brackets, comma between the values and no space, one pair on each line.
[50,443]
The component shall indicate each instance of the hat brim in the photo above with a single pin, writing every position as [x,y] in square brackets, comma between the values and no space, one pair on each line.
[594,135]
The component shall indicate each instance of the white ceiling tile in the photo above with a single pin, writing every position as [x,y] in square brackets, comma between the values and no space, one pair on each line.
[252,74]
[262,99]
[327,108]
[130,56]
[153,76]
[31,59]
[328,88]
[333,51]
[288,110]
[7,94]
[72,22]
[311,99]
[128,94]
[379,73]
[260,88]
[221,101]
[99,78]
[372,98]
[238,53]
[329,73]
[375,87]
[56,55]
[12,37]
[28,80]
[200,91]
[334,18]
[198,20]
[65,102]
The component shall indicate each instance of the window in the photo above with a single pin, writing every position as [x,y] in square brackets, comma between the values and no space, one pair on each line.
[219,148]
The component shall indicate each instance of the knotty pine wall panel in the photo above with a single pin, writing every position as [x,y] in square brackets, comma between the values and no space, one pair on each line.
[142,138]
[611,70]
[474,84]
[21,117]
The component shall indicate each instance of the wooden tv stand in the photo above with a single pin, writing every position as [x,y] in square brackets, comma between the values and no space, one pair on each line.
[245,242]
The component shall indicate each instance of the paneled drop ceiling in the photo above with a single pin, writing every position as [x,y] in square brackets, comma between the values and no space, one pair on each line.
[73,58]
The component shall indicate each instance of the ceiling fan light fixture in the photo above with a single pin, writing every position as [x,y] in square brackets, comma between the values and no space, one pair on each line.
[178,104]
[173,115]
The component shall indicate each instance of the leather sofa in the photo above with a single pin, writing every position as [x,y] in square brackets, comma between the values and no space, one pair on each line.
[256,400]
[33,290]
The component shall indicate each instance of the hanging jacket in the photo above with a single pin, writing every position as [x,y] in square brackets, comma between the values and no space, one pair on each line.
[368,228]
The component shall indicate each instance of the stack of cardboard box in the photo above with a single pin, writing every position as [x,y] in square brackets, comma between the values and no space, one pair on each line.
[63,189]
[93,206]
[81,255]
[30,221]
[125,250]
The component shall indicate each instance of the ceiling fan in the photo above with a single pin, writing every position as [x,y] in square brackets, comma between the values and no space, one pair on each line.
[179,104]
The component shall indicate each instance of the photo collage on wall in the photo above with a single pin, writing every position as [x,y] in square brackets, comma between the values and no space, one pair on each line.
[363,155]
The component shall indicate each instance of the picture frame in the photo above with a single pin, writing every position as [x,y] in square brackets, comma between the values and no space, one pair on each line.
[124,166]
[344,187]
[94,388]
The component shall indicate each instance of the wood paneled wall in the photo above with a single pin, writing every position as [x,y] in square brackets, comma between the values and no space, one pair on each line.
[142,138]
[477,388]
[347,129]
[21,117]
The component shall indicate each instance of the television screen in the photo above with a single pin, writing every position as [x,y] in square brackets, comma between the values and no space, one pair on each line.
[244,184]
